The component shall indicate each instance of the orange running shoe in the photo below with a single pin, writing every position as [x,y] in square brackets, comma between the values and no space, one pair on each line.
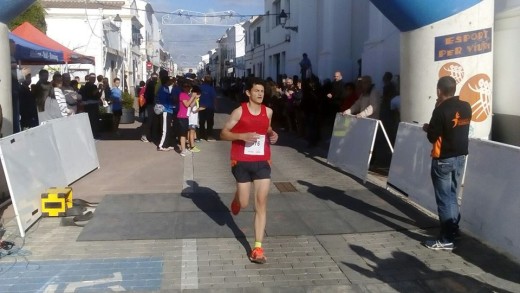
[235,207]
[257,256]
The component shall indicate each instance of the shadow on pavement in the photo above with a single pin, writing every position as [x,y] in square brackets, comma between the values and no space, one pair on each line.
[411,275]
[195,192]
[488,260]
[370,211]
[468,248]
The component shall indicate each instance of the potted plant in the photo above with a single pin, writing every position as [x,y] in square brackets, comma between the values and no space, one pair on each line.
[127,102]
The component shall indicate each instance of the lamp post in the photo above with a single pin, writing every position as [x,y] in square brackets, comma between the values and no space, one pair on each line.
[118,21]
[283,20]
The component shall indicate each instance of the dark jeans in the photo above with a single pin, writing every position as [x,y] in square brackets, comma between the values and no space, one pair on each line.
[446,175]
[146,126]
[206,116]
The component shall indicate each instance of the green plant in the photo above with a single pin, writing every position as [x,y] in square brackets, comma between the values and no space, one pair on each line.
[127,101]
[35,15]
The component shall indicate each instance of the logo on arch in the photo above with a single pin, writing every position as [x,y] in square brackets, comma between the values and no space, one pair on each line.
[452,69]
[477,91]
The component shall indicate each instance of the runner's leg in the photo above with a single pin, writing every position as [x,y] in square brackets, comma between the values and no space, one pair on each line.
[242,194]
[261,192]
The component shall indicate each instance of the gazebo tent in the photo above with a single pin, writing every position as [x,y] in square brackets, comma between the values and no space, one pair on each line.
[29,32]
[32,54]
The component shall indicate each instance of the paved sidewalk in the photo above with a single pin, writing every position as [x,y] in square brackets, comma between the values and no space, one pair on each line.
[388,258]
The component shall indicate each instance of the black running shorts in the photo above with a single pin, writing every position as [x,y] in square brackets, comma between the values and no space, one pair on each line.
[249,171]
[182,124]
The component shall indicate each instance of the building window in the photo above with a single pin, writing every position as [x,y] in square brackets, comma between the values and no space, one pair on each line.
[276,11]
[257,37]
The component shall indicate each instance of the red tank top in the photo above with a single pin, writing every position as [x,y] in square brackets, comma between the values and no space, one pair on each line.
[251,123]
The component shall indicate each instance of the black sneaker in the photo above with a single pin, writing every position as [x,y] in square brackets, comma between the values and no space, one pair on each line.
[439,245]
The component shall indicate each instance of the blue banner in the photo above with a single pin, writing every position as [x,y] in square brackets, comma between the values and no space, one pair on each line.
[12,8]
[408,15]
[463,44]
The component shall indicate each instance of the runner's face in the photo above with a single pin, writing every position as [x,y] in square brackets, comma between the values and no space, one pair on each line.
[256,94]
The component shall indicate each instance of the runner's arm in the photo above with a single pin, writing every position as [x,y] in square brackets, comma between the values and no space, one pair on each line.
[273,136]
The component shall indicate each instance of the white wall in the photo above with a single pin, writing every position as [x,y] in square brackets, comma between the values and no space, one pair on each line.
[65,25]
[381,52]
[507,62]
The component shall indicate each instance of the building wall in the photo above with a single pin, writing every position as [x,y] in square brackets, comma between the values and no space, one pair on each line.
[65,25]
[381,51]
[324,33]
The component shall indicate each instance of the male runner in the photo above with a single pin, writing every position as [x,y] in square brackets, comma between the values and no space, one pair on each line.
[249,129]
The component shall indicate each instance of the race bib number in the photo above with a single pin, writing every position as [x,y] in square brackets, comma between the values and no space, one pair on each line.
[255,148]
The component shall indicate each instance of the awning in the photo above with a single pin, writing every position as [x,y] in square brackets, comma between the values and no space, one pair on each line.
[29,32]
[29,53]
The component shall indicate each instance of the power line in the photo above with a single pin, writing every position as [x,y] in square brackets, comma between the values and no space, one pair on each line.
[187,13]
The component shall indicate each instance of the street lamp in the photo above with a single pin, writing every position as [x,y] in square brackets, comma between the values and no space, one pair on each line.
[118,21]
[283,20]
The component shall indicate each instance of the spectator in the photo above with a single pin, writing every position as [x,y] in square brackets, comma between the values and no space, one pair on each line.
[116,96]
[51,108]
[337,94]
[389,92]
[139,92]
[91,98]
[193,118]
[185,100]
[28,110]
[207,101]
[351,96]
[57,82]
[78,82]
[305,67]
[72,97]
[106,94]
[448,132]
[311,107]
[367,106]
[150,118]
[166,117]
[42,89]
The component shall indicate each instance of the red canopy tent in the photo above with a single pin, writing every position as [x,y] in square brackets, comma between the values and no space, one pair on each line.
[30,33]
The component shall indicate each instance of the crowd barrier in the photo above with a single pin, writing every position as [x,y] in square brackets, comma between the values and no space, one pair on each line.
[490,207]
[351,144]
[410,167]
[56,153]
[490,204]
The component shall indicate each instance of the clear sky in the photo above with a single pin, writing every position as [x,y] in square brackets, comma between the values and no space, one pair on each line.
[187,43]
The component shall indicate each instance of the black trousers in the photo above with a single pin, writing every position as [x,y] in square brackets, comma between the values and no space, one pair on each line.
[206,116]
[93,116]
[166,127]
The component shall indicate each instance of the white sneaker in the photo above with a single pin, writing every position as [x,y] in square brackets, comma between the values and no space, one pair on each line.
[144,139]
[183,153]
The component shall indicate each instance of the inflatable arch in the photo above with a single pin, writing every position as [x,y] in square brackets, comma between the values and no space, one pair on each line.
[10,9]
[439,38]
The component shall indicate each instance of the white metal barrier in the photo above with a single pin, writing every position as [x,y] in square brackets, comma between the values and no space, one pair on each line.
[490,207]
[410,167]
[351,144]
[53,154]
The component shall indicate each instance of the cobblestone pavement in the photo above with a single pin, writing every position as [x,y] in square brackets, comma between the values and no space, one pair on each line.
[50,259]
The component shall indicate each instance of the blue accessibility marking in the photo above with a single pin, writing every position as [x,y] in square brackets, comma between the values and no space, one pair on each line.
[93,275]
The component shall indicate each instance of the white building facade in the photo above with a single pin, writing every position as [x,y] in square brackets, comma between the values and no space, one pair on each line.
[332,36]
[122,36]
